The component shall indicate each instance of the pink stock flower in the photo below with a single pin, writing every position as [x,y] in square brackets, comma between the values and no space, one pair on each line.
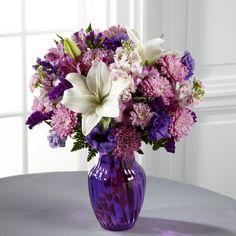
[141,115]
[181,124]
[38,104]
[127,142]
[64,121]
[172,67]
[33,82]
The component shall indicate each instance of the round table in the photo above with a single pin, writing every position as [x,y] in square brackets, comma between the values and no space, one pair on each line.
[57,204]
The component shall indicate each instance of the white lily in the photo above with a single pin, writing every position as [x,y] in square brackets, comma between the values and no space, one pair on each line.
[148,51]
[95,96]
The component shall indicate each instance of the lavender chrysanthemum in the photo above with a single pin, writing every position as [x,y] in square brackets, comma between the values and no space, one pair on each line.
[141,115]
[101,140]
[55,140]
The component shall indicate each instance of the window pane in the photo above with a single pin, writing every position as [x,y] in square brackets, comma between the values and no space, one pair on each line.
[10,16]
[43,158]
[51,15]
[11,75]
[11,146]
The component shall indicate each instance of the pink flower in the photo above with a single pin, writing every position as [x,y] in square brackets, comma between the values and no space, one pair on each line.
[127,142]
[38,104]
[172,67]
[33,82]
[141,115]
[64,121]
[55,54]
[96,54]
[181,124]
[113,30]
[157,87]
[184,94]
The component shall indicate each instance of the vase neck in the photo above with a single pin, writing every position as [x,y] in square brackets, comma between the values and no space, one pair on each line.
[111,159]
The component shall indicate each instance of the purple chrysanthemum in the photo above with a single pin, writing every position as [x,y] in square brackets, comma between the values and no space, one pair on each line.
[101,140]
[189,62]
[55,140]
[37,117]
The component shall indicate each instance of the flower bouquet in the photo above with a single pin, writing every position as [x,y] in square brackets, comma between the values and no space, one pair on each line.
[108,91]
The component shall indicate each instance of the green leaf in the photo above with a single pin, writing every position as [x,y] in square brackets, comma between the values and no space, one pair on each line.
[60,37]
[140,152]
[89,28]
[159,144]
[56,42]
[79,142]
[71,49]
[91,153]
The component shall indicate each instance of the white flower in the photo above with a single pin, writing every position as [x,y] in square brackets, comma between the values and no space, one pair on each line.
[95,96]
[148,51]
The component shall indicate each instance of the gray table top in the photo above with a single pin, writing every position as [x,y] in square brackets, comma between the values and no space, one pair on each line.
[57,204]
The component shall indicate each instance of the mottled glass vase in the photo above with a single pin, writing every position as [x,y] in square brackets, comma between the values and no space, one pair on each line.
[116,189]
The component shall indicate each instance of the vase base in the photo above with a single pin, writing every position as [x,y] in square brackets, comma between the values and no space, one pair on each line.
[118,228]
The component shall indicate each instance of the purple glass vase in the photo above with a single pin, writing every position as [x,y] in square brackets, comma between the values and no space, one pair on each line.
[116,189]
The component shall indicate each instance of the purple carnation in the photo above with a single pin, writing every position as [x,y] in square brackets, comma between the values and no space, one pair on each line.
[37,117]
[114,42]
[170,145]
[159,126]
[59,90]
[189,62]
[100,140]
[55,140]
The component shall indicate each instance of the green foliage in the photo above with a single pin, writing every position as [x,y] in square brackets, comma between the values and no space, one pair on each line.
[71,49]
[79,140]
[91,153]
[80,143]
[140,151]
[105,122]
[89,28]
[159,144]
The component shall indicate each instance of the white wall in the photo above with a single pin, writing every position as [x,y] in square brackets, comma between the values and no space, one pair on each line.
[207,157]
[205,27]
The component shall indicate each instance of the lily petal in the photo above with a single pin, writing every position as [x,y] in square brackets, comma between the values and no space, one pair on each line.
[98,81]
[109,107]
[89,121]
[79,82]
[118,86]
[78,103]
[153,49]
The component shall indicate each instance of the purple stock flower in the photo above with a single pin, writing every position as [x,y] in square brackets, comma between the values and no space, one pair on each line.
[170,145]
[58,90]
[159,126]
[55,140]
[189,62]
[100,140]
[47,66]
[114,42]
[37,117]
